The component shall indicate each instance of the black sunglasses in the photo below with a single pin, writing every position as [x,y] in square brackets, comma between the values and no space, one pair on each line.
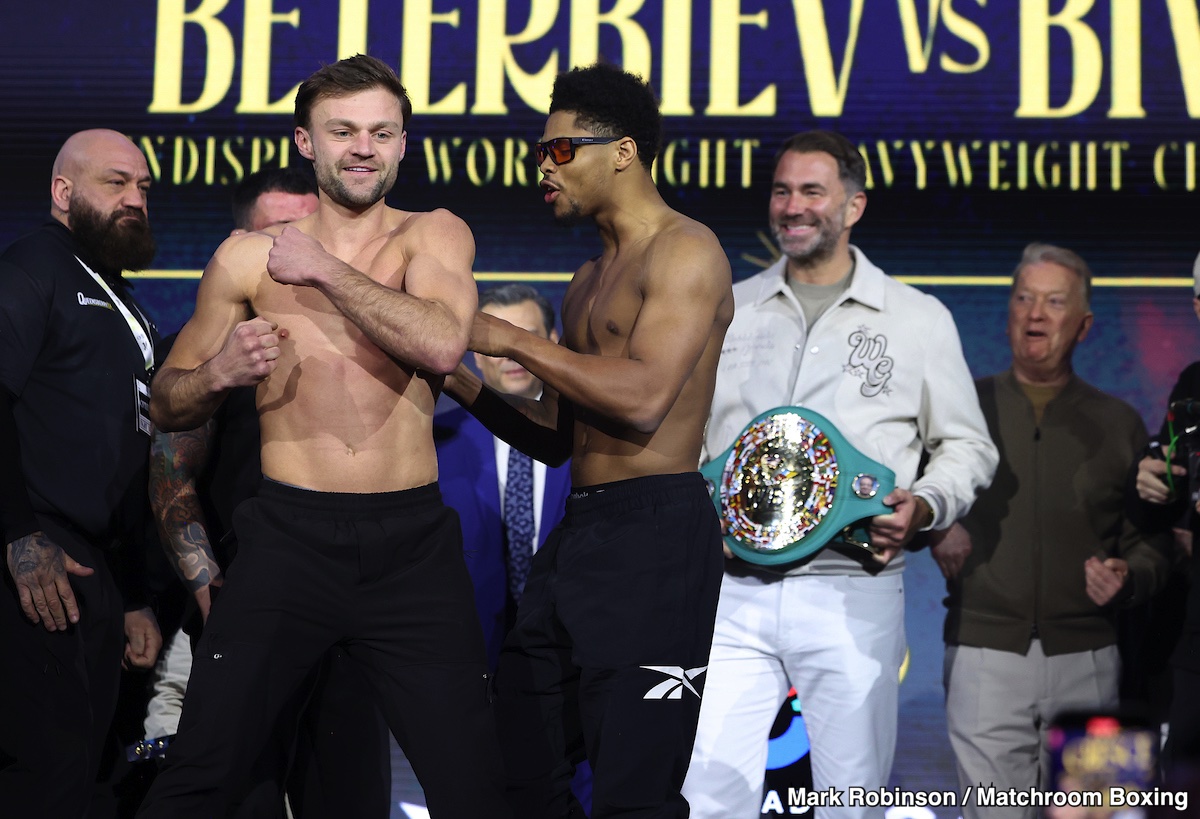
[562,149]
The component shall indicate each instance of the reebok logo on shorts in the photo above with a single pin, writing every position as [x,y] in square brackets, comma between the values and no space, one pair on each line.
[679,678]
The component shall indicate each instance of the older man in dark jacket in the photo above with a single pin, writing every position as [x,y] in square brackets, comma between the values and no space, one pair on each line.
[1038,568]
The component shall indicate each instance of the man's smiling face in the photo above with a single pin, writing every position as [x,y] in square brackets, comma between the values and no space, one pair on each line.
[356,143]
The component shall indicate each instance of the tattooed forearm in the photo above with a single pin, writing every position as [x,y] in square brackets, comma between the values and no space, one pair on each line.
[194,561]
[175,461]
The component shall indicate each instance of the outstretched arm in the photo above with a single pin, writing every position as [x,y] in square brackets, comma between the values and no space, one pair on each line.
[683,293]
[541,428]
[176,458]
[427,323]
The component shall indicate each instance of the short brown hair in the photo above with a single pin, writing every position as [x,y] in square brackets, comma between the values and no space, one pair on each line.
[346,77]
[852,169]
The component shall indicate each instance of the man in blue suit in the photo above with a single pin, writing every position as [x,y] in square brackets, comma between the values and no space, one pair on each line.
[472,467]
[473,476]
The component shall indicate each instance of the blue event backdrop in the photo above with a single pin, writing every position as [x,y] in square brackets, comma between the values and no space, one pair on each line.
[985,126]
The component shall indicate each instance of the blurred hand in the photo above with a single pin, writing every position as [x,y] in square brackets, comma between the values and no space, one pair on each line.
[205,595]
[1183,539]
[889,533]
[142,639]
[950,549]
[1152,479]
[1104,580]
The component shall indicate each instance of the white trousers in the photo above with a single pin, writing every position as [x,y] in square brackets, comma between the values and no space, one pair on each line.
[999,706]
[840,641]
[170,681]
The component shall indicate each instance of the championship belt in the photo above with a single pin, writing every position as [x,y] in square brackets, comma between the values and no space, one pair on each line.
[791,483]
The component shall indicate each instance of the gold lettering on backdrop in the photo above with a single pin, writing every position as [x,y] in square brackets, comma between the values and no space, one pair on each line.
[1160,155]
[747,147]
[516,162]
[1039,166]
[676,178]
[495,61]
[179,176]
[235,162]
[210,159]
[586,20]
[918,155]
[1177,180]
[416,59]
[971,34]
[168,56]
[827,66]
[920,49]
[717,163]
[256,59]
[477,147]
[996,164]
[1087,62]
[826,93]
[712,163]
[263,151]
[352,28]
[675,85]
[147,146]
[1185,28]
[1022,165]
[958,162]
[1115,149]
[437,159]
[885,163]
[1126,69]
[724,76]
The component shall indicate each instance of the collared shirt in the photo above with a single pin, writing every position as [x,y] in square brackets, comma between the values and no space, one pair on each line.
[884,364]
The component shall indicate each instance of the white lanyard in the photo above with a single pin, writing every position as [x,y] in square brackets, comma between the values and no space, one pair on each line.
[139,332]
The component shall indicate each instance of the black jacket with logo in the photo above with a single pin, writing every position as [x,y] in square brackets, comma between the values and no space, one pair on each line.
[68,359]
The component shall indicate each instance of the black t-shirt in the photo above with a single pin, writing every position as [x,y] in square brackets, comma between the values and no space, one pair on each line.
[70,359]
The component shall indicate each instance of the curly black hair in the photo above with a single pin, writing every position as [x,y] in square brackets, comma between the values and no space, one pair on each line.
[611,102]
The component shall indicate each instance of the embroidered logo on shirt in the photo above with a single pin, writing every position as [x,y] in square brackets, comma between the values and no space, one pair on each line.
[85,301]
[868,362]
[679,678]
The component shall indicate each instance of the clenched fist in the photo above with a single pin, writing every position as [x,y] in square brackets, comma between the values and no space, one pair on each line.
[249,355]
[297,258]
